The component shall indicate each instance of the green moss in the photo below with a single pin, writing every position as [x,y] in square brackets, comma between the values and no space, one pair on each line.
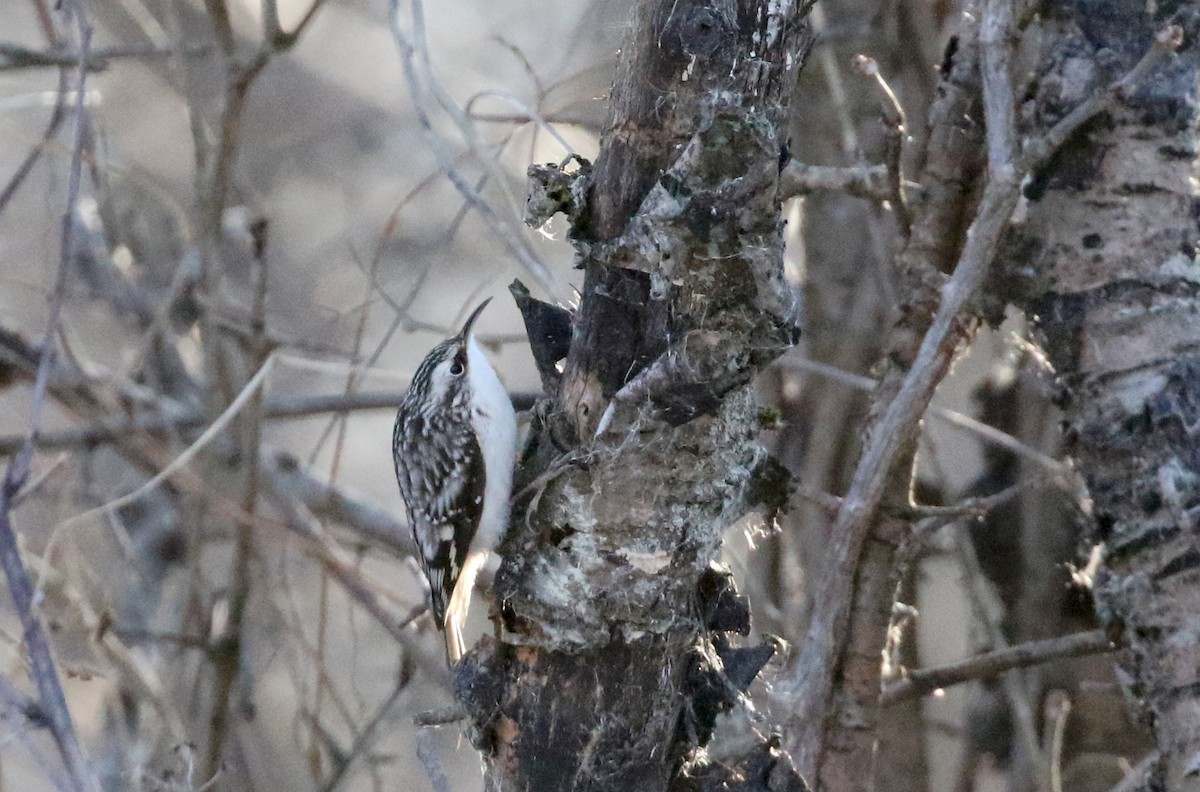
[769,418]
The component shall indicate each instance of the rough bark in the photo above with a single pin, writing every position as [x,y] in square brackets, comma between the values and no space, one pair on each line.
[613,662]
[1106,261]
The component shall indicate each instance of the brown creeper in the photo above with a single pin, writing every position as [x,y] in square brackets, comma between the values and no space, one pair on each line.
[454,445]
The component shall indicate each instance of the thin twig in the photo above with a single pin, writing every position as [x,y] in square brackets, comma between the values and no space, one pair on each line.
[1039,150]
[934,518]
[440,717]
[985,604]
[923,681]
[977,506]
[227,665]
[1138,776]
[1056,709]
[44,673]
[427,753]
[218,426]
[56,119]
[825,501]
[412,56]
[806,689]
[530,115]
[990,434]
[15,56]
[955,418]
[301,522]
[370,732]
[895,122]
[33,486]
[277,408]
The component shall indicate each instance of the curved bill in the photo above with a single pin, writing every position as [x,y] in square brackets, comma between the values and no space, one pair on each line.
[466,330]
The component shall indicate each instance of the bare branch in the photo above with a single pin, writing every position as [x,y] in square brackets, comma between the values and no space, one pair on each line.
[227,665]
[926,680]
[325,499]
[806,689]
[989,434]
[15,56]
[433,766]
[26,166]
[895,122]
[997,37]
[245,397]
[1038,151]
[977,506]
[1138,777]
[985,605]
[440,717]
[280,407]
[415,62]
[1056,710]
[369,734]
[864,181]
[45,675]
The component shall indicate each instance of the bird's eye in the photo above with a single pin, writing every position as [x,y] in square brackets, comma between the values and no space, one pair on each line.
[456,368]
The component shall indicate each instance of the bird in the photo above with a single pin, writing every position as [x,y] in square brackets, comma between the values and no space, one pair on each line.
[454,447]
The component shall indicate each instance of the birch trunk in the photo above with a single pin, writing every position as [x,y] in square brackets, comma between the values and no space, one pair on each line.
[1106,261]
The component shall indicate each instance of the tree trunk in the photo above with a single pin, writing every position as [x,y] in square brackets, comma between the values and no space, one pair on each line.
[1106,262]
[614,662]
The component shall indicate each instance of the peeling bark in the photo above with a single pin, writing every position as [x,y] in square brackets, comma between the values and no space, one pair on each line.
[611,667]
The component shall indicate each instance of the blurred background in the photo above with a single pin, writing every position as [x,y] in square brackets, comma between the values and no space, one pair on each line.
[292,211]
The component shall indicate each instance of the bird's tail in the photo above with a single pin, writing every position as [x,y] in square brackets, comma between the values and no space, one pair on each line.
[460,602]
[453,638]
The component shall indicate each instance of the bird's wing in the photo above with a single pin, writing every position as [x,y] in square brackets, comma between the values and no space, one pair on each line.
[442,485]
